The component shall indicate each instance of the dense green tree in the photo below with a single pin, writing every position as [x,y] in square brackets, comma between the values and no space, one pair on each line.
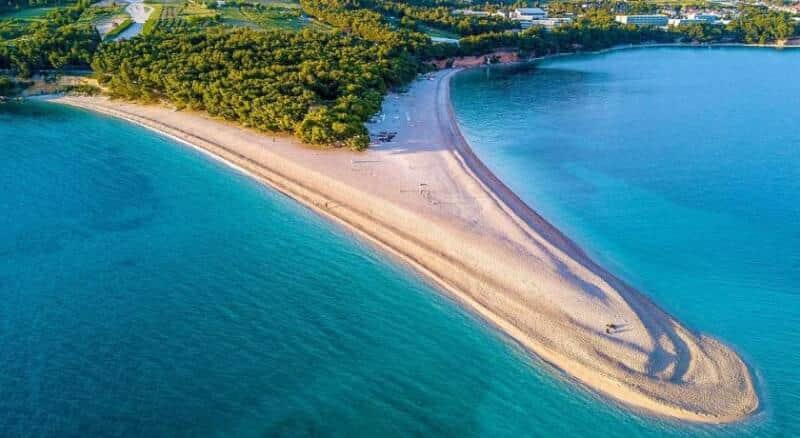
[320,86]
[22,4]
[594,30]
[7,86]
[760,26]
[442,17]
[58,41]
[701,32]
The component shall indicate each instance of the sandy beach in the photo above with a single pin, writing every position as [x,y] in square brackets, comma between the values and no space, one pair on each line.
[426,198]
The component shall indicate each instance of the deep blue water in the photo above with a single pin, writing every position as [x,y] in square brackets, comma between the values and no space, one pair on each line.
[680,170]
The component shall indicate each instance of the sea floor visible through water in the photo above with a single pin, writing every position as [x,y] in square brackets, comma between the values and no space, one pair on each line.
[149,290]
[678,169]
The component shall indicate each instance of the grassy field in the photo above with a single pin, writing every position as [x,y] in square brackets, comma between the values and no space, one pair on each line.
[262,14]
[152,21]
[169,16]
[269,17]
[29,14]
[176,15]
[37,14]
[95,14]
[437,33]
[15,24]
[196,10]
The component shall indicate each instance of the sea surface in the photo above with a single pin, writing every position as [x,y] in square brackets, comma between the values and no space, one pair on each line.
[678,169]
[149,290]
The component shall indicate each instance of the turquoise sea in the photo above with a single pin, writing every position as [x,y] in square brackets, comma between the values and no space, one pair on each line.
[678,168]
[148,290]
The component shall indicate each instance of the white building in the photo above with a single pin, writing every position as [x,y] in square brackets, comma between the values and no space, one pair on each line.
[685,21]
[528,14]
[552,22]
[643,20]
[528,17]
[706,17]
[470,12]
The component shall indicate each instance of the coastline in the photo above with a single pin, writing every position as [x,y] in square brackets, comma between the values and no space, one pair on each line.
[629,47]
[429,199]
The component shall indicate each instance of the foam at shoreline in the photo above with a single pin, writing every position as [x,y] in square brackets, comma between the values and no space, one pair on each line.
[427,198]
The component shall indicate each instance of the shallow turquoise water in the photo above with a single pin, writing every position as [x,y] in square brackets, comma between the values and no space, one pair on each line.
[147,290]
[680,170]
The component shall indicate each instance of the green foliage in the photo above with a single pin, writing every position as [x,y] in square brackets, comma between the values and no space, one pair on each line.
[95,13]
[119,29]
[11,87]
[152,21]
[701,32]
[320,86]
[15,5]
[176,18]
[641,7]
[81,90]
[263,16]
[442,18]
[368,25]
[760,26]
[630,7]
[7,86]
[561,8]
[59,41]
[595,30]
[10,29]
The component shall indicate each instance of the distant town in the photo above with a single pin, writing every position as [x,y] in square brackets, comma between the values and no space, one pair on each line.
[659,14]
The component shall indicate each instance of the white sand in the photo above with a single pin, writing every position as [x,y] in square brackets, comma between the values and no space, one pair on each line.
[428,199]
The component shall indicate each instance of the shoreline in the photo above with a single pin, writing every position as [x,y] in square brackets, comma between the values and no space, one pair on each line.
[533,218]
[430,201]
[630,47]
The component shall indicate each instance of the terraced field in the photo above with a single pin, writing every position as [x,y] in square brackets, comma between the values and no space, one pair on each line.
[263,14]
[174,15]
[270,17]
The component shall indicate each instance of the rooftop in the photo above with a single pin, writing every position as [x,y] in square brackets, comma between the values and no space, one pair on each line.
[530,11]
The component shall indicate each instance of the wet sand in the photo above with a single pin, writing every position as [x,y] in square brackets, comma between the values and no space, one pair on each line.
[428,199]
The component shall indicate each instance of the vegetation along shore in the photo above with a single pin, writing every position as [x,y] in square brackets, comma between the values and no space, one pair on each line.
[428,199]
[324,78]
[256,87]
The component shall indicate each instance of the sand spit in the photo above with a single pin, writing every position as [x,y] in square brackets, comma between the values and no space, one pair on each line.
[427,198]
